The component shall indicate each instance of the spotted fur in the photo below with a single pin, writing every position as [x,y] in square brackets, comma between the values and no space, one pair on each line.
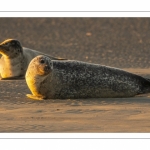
[76,79]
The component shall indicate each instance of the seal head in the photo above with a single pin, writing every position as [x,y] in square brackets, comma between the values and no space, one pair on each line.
[11,48]
[42,65]
[12,60]
[39,68]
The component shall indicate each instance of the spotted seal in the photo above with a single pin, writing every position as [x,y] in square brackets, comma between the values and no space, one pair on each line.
[52,79]
[15,58]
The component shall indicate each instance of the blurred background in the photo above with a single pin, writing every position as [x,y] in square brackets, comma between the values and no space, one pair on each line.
[117,42]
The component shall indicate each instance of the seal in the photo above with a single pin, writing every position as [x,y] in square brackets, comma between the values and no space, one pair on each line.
[52,79]
[15,59]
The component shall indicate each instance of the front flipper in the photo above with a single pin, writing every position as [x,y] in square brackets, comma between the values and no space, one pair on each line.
[14,78]
[35,97]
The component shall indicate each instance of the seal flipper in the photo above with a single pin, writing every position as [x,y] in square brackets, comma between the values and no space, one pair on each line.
[55,58]
[147,79]
[34,97]
[12,78]
[145,85]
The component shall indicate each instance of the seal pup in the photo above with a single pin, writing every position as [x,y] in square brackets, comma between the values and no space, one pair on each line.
[52,79]
[15,59]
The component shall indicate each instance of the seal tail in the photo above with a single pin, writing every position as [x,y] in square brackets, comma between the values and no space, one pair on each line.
[61,59]
[147,79]
[146,85]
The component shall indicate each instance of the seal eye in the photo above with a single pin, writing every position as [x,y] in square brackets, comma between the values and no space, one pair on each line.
[42,61]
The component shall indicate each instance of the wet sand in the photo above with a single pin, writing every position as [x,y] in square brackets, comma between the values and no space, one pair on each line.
[117,42]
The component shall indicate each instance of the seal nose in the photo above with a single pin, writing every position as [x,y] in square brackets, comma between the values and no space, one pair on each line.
[47,68]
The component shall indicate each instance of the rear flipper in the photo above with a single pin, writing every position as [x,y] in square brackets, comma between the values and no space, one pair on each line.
[56,58]
[147,79]
[13,78]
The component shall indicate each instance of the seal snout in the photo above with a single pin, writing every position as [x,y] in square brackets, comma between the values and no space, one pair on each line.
[11,47]
[4,49]
[47,68]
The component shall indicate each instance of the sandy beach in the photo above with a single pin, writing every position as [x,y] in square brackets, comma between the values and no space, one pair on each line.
[118,42]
